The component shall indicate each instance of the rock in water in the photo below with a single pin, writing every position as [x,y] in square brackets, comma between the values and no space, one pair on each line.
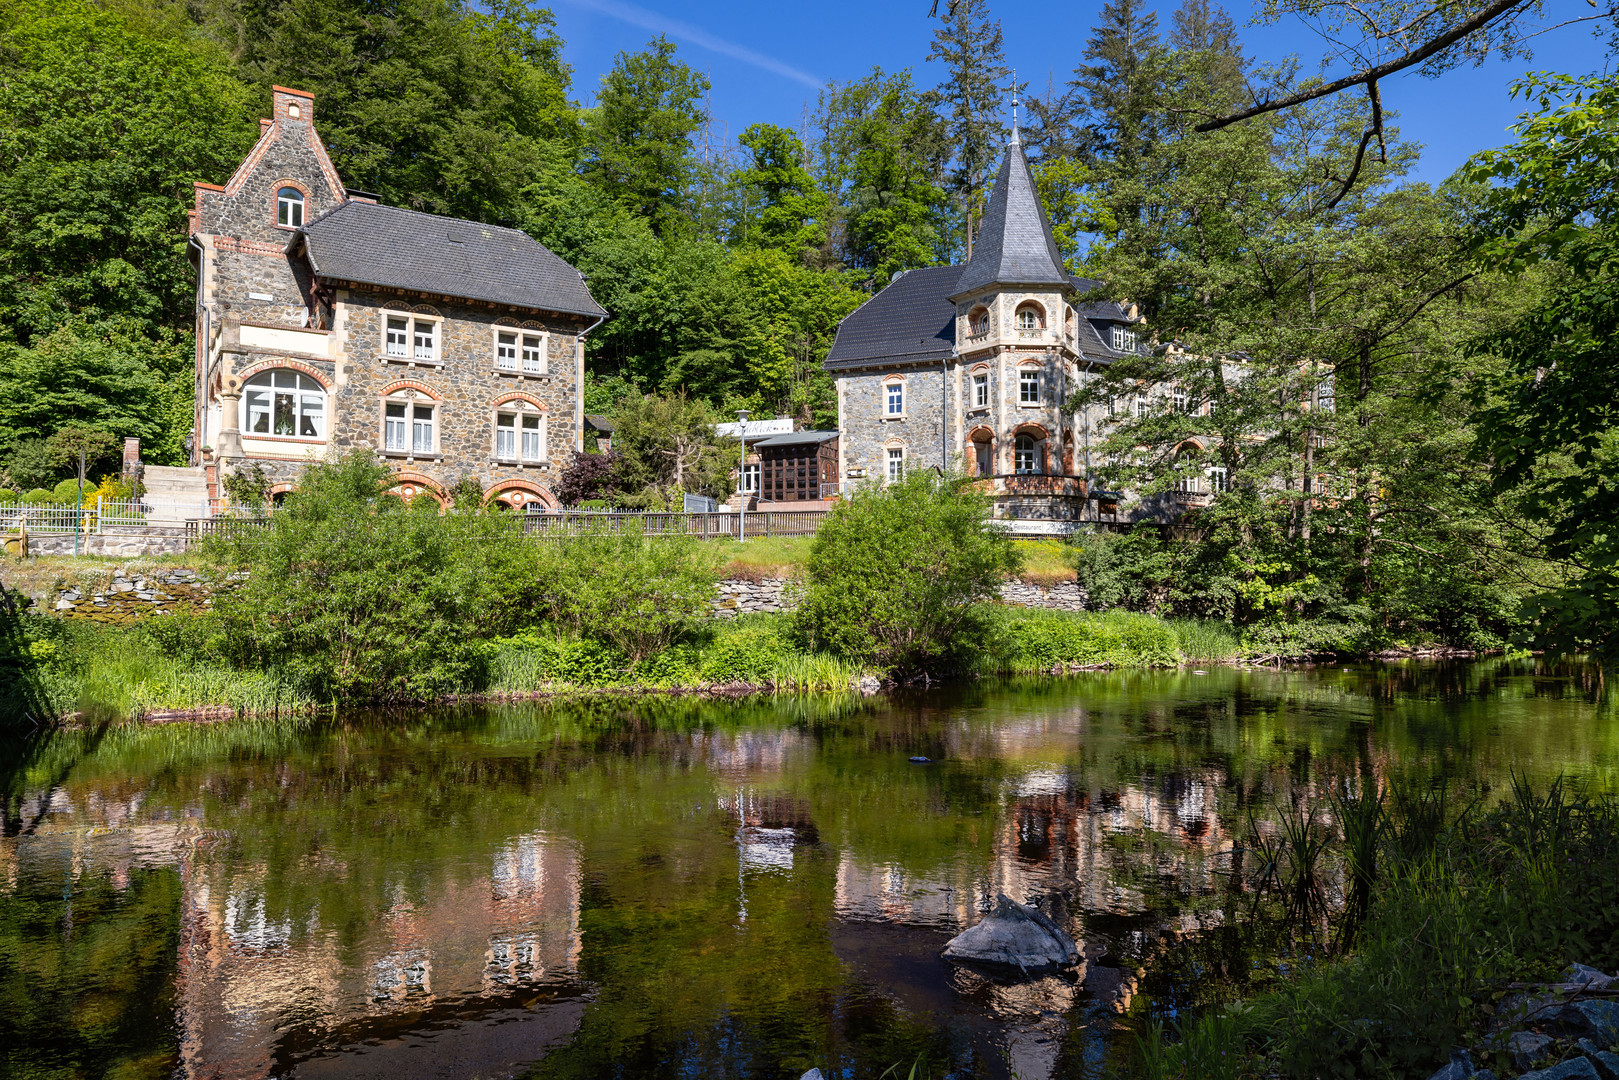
[1017,936]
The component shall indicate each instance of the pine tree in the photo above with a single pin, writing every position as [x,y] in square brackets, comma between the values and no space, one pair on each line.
[1115,92]
[973,98]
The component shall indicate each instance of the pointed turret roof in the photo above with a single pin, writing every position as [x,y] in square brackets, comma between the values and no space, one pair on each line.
[1014,244]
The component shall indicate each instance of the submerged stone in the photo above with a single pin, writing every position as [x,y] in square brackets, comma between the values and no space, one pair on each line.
[1014,935]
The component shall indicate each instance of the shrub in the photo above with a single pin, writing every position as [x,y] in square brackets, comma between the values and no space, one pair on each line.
[637,593]
[348,592]
[1131,570]
[247,486]
[38,495]
[8,496]
[1036,641]
[895,574]
[66,492]
[746,651]
[530,660]
[587,479]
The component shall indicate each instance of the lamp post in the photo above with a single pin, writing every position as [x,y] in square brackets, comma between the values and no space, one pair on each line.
[742,475]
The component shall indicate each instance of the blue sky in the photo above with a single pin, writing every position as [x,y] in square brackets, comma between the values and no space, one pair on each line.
[767,59]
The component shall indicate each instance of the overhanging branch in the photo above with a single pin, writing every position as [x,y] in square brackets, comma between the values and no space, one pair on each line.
[1416,56]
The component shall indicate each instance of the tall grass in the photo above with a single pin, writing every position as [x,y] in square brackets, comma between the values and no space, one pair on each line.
[1458,910]
[1207,639]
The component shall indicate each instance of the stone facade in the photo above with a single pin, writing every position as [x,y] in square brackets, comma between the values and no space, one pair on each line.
[866,433]
[265,307]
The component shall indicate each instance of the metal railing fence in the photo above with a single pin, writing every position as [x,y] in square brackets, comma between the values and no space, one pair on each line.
[103,515]
[757,523]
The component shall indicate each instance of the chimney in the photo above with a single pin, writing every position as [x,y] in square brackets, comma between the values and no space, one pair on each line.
[295,105]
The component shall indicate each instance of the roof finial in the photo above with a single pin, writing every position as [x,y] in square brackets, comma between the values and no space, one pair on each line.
[1014,107]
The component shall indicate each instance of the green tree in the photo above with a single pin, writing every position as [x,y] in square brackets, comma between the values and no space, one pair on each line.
[1116,91]
[1548,425]
[783,208]
[81,448]
[973,97]
[666,445]
[105,120]
[895,574]
[881,157]
[120,383]
[794,314]
[638,147]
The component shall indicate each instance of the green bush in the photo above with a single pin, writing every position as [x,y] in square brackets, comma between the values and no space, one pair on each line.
[1131,570]
[66,492]
[896,575]
[347,592]
[636,593]
[747,651]
[532,660]
[37,496]
[7,496]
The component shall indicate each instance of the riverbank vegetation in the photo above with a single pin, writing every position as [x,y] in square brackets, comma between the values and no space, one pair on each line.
[1403,925]
[348,594]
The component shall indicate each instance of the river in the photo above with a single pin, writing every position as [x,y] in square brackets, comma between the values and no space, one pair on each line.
[675,887]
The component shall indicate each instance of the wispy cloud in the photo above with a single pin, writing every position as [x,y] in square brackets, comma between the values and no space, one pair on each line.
[651,20]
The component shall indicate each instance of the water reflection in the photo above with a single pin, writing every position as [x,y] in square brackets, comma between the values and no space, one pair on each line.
[688,888]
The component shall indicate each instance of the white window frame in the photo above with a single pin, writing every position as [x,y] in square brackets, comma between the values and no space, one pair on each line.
[1181,399]
[414,325]
[1326,397]
[890,386]
[528,353]
[1035,312]
[1018,453]
[401,435]
[895,470]
[750,477]
[285,207]
[1219,478]
[981,390]
[1026,377]
[525,450]
[1124,339]
[262,387]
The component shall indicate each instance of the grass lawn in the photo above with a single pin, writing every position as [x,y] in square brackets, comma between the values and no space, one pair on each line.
[1044,561]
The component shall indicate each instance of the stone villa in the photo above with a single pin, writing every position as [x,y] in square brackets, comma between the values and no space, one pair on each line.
[327,322]
[975,366]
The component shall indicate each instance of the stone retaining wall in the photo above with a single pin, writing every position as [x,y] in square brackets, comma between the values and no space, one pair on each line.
[125,598]
[741,597]
[116,545]
[1063,596]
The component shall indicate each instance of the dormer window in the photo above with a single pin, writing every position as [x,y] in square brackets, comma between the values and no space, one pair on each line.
[1031,316]
[289,208]
[1124,339]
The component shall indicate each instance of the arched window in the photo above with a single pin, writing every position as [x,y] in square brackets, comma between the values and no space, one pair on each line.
[1025,454]
[1031,316]
[289,207]
[286,403]
[978,321]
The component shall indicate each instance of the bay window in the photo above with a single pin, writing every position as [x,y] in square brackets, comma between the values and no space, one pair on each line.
[284,403]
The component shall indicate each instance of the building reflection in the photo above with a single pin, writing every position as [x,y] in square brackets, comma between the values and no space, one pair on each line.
[261,991]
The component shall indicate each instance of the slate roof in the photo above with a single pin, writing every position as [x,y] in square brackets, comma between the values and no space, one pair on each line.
[598,423]
[406,249]
[797,438]
[1014,244]
[911,321]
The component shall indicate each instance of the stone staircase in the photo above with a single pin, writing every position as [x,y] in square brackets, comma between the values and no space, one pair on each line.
[175,495]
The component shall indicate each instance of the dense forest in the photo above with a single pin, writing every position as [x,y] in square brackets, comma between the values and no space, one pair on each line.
[1418,444]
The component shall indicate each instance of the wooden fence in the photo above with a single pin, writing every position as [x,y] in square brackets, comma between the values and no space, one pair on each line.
[755,523]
